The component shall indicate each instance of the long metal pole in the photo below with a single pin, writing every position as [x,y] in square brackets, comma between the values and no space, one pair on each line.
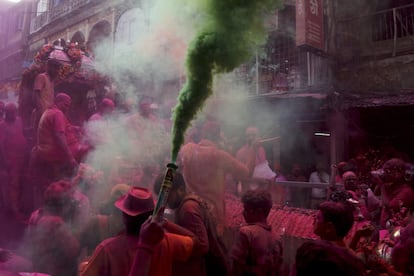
[309,68]
[394,18]
[257,72]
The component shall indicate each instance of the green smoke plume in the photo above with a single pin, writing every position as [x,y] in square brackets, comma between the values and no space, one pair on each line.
[233,30]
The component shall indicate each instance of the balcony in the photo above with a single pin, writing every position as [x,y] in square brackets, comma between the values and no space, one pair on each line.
[67,7]
[282,68]
[39,21]
[386,33]
[56,12]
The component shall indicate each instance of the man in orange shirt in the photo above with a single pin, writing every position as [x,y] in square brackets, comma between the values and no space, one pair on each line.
[116,256]
[204,167]
[262,174]
[44,89]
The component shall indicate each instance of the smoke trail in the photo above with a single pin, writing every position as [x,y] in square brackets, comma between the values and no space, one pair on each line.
[234,29]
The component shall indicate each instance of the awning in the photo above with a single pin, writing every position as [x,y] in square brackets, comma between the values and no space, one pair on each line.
[366,100]
[290,95]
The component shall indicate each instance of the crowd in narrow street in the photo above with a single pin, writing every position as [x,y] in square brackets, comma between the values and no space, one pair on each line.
[62,216]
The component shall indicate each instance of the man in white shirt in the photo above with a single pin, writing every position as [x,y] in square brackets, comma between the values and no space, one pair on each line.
[318,195]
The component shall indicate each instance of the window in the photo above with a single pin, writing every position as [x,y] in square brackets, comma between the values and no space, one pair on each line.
[2,43]
[3,24]
[41,7]
[56,2]
[396,21]
[19,20]
[131,30]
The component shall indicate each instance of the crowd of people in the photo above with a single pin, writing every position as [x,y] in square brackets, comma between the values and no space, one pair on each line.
[362,218]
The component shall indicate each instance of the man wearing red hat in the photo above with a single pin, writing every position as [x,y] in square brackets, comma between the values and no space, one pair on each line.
[115,256]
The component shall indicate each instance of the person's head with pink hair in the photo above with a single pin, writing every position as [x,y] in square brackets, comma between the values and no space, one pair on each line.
[211,130]
[63,101]
[107,106]
[251,134]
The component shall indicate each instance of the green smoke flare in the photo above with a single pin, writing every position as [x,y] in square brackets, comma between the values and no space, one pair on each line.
[233,30]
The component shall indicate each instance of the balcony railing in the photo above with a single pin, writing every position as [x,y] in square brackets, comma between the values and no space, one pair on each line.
[39,21]
[54,13]
[282,67]
[398,22]
[380,33]
[67,7]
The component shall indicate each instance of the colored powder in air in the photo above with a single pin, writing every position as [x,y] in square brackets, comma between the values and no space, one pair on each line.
[232,32]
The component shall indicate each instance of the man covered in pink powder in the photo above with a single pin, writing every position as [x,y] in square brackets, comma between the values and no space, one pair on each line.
[44,91]
[262,174]
[256,250]
[51,242]
[59,148]
[13,150]
[396,194]
[205,165]
[57,138]
[106,107]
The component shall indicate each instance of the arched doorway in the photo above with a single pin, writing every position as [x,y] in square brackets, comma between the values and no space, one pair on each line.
[79,38]
[100,32]
[129,23]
